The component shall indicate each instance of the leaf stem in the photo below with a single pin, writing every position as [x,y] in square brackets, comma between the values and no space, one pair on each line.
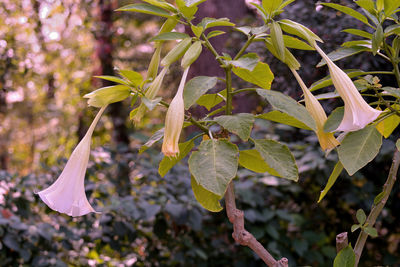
[243,49]
[376,209]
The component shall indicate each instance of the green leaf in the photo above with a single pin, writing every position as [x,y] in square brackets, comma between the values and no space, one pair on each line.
[277,40]
[214,34]
[367,5]
[392,91]
[377,39]
[191,54]
[113,79]
[168,162]
[161,3]
[290,60]
[343,52]
[359,33]
[299,30]
[145,8]
[278,157]
[354,227]
[293,42]
[392,29]
[358,148]
[337,170]
[334,120]
[357,43]
[197,30]
[345,258]
[327,81]
[151,103]
[177,52]
[361,217]
[212,22]
[261,75]
[349,11]
[289,106]
[187,10]
[389,124]
[214,165]
[271,5]
[211,100]
[134,77]
[248,61]
[371,231]
[391,6]
[197,87]
[379,197]
[152,140]
[239,124]
[191,3]
[252,160]
[167,36]
[280,117]
[207,199]
[108,95]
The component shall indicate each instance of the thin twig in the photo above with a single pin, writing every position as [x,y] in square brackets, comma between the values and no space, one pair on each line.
[242,236]
[376,209]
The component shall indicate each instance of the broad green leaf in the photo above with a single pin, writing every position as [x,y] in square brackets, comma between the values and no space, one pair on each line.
[363,43]
[152,140]
[367,5]
[211,100]
[187,10]
[214,34]
[134,77]
[290,60]
[354,227]
[391,6]
[145,8]
[168,162]
[392,29]
[299,30]
[293,42]
[161,3]
[389,124]
[337,170]
[281,117]
[214,165]
[113,79]
[211,22]
[334,120]
[361,217]
[277,40]
[252,160]
[285,3]
[377,39]
[358,148]
[379,5]
[197,87]
[359,33]
[207,199]
[327,81]
[271,5]
[371,231]
[197,30]
[248,61]
[341,53]
[345,258]
[261,75]
[108,95]
[349,11]
[289,106]
[167,36]
[278,157]
[239,124]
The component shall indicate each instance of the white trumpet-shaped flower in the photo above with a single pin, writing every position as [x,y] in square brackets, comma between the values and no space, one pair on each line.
[357,113]
[67,193]
[326,140]
[174,121]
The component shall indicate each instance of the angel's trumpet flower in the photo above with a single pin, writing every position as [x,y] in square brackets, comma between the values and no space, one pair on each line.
[67,193]
[174,121]
[326,140]
[357,113]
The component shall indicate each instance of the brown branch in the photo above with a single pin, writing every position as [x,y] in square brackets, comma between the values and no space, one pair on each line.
[242,236]
[341,241]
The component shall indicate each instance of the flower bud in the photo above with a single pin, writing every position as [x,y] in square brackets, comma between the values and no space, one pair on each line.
[191,54]
[174,121]
[176,52]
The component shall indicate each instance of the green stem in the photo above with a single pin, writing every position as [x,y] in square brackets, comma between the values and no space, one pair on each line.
[244,90]
[385,103]
[379,72]
[243,49]
[212,49]
[376,209]
[229,94]
[202,127]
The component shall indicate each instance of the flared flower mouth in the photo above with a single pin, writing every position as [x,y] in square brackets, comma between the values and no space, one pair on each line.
[67,193]
[357,113]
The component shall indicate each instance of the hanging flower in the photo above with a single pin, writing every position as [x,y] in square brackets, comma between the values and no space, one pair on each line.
[357,113]
[174,121]
[67,193]
[326,140]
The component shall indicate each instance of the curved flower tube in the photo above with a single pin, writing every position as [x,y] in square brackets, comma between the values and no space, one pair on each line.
[174,121]
[326,140]
[67,193]
[357,113]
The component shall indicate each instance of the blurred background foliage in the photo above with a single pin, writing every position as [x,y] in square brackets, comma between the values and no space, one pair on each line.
[49,52]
